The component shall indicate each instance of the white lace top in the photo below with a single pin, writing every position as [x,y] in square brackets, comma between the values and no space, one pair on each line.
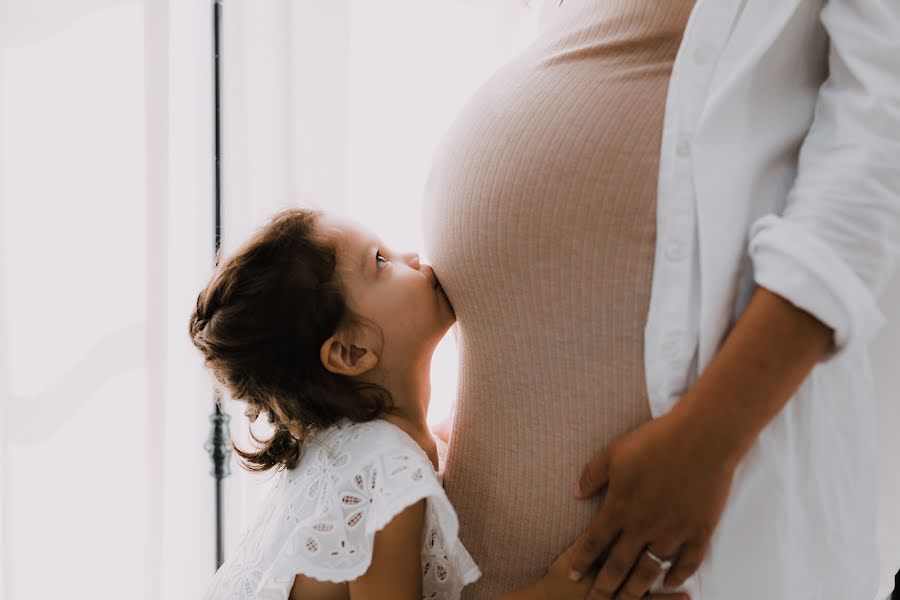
[321,517]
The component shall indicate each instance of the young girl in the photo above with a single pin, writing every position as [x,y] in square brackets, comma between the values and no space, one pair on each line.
[317,323]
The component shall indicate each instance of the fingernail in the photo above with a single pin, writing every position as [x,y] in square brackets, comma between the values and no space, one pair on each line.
[574,575]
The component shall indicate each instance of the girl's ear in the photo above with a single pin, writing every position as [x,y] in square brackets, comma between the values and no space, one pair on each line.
[342,357]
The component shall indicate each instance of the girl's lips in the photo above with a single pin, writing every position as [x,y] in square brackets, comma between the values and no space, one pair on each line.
[435,284]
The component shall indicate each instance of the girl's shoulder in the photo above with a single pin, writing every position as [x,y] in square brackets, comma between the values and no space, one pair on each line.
[374,466]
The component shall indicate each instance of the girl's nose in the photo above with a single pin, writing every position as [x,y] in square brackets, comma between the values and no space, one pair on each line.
[414,261]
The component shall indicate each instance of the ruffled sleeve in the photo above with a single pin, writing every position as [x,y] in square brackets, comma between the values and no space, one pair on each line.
[352,488]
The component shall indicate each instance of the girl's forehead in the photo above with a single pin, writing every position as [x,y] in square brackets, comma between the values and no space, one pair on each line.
[350,240]
[346,233]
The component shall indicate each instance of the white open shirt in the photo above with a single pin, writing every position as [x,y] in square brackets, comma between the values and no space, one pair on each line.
[780,166]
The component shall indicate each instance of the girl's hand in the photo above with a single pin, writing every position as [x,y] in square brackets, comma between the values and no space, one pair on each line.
[557,585]
[666,492]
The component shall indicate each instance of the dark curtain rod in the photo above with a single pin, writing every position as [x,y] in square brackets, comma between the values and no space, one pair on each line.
[217,444]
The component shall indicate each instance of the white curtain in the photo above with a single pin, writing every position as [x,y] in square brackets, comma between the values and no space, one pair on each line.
[105,238]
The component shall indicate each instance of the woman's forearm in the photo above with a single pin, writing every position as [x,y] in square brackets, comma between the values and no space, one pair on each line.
[769,352]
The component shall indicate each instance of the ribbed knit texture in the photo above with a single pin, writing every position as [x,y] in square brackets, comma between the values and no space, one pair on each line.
[540,220]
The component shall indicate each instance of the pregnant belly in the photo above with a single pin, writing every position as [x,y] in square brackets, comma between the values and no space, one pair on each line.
[540,221]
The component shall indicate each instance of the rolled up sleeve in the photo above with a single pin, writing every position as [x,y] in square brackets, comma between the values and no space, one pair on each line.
[838,241]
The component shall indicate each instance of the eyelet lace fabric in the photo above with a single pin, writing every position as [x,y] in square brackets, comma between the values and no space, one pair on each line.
[321,517]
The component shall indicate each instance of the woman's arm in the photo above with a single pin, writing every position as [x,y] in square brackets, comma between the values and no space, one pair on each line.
[763,361]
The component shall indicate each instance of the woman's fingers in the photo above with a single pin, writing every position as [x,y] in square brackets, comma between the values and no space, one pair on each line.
[594,476]
[687,562]
[602,532]
[615,569]
[645,572]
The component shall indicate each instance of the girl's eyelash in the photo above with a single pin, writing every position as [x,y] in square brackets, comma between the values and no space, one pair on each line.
[377,254]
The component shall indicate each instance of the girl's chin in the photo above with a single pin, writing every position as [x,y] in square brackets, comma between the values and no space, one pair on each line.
[446,320]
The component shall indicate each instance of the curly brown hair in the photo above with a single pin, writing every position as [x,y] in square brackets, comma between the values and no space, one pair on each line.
[260,323]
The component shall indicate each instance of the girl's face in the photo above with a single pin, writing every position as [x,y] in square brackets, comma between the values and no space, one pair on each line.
[393,289]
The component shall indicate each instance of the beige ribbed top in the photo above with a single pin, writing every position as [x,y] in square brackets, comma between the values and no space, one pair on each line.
[540,221]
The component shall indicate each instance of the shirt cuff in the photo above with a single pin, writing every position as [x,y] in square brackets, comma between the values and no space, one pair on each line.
[808,273]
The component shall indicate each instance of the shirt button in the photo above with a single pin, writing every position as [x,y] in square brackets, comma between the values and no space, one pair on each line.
[676,250]
[683,147]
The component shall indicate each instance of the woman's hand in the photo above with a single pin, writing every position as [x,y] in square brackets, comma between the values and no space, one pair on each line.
[666,491]
[556,584]
[668,479]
